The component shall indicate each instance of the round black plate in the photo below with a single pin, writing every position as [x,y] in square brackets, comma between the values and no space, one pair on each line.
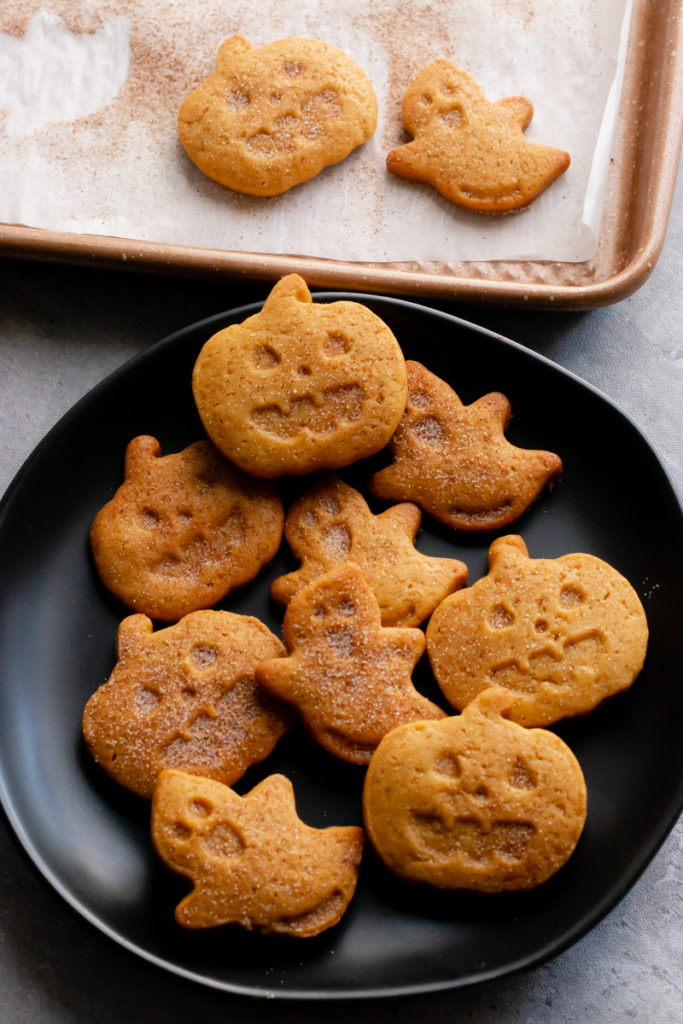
[57,645]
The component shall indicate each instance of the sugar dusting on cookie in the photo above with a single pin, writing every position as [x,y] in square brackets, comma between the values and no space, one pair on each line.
[185,697]
[253,862]
[347,675]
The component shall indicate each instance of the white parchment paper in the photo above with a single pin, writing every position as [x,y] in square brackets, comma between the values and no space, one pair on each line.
[89,94]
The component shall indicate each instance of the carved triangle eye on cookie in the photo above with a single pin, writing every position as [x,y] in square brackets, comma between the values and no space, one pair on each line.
[455,461]
[474,152]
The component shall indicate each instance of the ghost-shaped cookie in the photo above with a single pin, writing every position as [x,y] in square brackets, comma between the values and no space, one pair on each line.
[252,861]
[455,461]
[561,634]
[472,151]
[474,801]
[183,530]
[348,676]
[332,523]
[300,386]
[185,697]
[273,117]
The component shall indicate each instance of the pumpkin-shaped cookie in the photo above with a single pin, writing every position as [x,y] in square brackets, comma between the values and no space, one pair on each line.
[252,861]
[185,697]
[300,385]
[561,634]
[273,117]
[474,801]
[183,529]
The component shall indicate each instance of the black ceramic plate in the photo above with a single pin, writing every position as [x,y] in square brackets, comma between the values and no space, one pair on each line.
[57,633]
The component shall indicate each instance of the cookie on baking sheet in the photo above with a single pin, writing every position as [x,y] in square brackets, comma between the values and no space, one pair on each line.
[270,118]
[455,461]
[183,530]
[332,523]
[300,386]
[472,151]
[348,676]
[561,634]
[474,801]
[252,861]
[185,697]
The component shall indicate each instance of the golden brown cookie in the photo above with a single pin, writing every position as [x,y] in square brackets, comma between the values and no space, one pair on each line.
[185,697]
[252,861]
[455,461]
[348,676]
[331,523]
[183,530]
[300,386]
[472,151]
[561,634]
[273,117]
[474,801]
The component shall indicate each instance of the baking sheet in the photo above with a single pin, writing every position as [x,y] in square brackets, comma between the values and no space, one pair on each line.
[68,91]
[645,103]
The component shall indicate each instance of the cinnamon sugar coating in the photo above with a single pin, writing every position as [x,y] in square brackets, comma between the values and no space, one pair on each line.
[252,861]
[183,530]
[455,461]
[562,634]
[332,523]
[348,676]
[185,697]
[472,151]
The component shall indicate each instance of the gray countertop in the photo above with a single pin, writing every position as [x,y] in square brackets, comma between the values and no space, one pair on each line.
[62,329]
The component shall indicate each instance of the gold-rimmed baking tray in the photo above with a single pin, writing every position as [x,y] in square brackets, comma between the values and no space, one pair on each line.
[644,161]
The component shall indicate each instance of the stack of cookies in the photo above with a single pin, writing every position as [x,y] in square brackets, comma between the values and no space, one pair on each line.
[472,793]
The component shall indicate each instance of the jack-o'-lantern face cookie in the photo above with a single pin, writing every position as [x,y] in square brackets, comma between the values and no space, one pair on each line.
[252,861]
[300,386]
[474,801]
[270,118]
[185,697]
[347,675]
[183,530]
[472,151]
[455,461]
[331,523]
[561,634]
